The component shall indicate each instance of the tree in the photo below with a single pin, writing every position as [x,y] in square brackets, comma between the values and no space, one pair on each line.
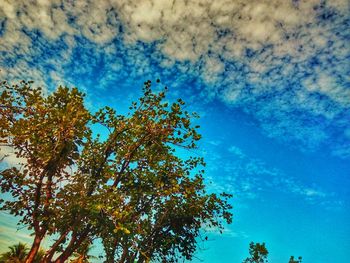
[258,253]
[16,254]
[292,260]
[128,188]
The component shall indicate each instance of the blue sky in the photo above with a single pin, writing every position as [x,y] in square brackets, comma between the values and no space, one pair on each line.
[270,80]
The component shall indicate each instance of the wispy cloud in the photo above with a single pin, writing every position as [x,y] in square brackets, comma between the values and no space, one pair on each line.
[236,151]
[9,235]
[249,178]
[228,232]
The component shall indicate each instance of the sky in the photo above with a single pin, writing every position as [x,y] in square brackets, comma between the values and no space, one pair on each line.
[269,78]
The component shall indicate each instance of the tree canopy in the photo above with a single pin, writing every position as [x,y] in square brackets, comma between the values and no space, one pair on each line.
[128,189]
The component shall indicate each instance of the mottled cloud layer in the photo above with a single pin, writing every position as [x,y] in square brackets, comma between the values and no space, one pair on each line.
[284,62]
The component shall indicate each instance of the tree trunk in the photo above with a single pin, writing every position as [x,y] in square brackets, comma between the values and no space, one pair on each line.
[110,252]
[39,231]
[73,245]
[68,251]
[34,249]
[49,254]
[65,255]
[124,255]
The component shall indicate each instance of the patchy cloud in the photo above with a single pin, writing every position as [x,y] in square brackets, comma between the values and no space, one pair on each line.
[250,178]
[236,151]
[284,62]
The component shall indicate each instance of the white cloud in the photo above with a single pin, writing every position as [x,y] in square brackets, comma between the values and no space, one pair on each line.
[284,52]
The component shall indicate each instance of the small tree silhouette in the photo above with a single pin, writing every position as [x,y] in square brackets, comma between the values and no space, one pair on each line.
[292,260]
[258,253]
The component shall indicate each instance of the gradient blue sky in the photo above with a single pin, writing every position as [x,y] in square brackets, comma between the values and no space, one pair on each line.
[270,80]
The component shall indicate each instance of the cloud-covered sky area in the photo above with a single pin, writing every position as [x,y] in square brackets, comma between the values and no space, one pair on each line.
[271,80]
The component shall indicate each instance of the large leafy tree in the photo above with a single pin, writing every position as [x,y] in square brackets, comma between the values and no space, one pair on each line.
[129,188]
